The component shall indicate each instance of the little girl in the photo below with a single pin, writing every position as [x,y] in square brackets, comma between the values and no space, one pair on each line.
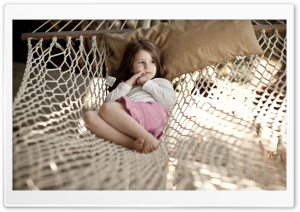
[137,108]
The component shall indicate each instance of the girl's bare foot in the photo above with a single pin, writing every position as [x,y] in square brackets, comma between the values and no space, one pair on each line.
[150,145]
[139,145]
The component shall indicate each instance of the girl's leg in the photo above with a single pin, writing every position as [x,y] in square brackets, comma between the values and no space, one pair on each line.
[101,129]
[115,114]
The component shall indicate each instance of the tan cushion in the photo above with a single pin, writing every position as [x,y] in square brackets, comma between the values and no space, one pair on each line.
[189,45]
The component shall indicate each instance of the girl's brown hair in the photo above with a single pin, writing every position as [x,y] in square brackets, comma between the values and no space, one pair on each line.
[124,73]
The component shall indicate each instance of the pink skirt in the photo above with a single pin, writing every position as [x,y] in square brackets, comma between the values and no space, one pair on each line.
[153,116]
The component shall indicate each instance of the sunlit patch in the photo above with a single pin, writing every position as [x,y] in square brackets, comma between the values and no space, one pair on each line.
[81,127]
[31,184]
[53,166]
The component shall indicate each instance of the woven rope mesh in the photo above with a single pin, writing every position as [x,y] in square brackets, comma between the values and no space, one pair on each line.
[226,118]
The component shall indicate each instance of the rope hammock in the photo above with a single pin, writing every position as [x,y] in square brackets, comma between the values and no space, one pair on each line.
[224,132]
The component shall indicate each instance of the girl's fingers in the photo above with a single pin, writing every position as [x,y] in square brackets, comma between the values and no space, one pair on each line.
[142,73]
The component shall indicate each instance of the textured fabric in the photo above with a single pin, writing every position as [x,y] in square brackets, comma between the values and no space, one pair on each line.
[151,115]
[189,45]
[158,89]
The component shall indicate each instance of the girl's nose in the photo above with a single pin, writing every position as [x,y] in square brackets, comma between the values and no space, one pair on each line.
[147,66]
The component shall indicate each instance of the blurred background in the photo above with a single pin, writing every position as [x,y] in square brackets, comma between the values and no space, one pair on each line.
[20,49]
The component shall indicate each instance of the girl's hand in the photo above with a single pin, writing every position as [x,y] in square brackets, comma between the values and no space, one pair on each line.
[133,80]
[142,80]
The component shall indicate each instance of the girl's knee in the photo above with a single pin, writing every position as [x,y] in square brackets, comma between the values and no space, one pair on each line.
[105,108]
[88,117]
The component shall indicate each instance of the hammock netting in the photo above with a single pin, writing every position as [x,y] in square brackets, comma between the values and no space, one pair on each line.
[223,134]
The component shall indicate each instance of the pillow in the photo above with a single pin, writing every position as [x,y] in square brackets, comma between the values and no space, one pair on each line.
[189,45]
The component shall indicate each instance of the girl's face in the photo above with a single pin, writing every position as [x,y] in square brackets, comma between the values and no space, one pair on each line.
[143,62]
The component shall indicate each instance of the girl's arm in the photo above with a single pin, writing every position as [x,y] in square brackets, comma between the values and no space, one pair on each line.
[162,91]
[121,90]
